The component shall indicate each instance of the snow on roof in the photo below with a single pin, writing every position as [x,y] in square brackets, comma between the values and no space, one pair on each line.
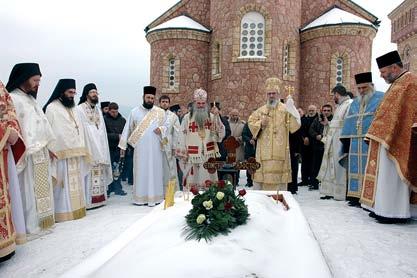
[337,16]
[180,22]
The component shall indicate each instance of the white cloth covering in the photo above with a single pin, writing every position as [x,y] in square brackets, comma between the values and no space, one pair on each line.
[148,184]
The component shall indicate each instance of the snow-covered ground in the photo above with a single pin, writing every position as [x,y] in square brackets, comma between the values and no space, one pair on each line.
[352,243]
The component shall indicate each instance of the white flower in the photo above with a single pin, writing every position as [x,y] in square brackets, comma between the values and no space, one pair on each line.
[200,219]
[219,195]
[208,204]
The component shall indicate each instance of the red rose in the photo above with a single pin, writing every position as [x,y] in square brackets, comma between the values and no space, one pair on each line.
[194,190]
[228,206]
[221,183]
[242,192]
[208,183]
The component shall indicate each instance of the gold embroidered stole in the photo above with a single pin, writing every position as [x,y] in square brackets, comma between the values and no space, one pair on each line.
[144,124]
[42,188]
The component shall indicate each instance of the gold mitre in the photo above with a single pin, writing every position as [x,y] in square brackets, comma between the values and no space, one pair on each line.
[273,84]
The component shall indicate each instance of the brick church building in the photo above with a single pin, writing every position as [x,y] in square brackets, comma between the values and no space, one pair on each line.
[404,32]
[231,47]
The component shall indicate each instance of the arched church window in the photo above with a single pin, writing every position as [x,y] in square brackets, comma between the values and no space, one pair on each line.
[171,73]
[252,35]
[216,59]
[339,71]
[286,59]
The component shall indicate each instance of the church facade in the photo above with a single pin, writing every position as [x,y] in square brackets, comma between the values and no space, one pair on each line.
[231,47]
[404,32]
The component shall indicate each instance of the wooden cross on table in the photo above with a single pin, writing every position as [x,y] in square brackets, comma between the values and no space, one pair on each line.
[231,144]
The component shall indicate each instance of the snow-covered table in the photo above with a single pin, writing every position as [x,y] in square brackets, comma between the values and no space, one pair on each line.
[274,243]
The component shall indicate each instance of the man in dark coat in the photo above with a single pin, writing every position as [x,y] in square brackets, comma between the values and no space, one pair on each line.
[249,149]
[114,125]
[306,146]
[316,134]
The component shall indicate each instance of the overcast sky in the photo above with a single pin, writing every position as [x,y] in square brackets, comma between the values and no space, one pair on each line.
[103,42]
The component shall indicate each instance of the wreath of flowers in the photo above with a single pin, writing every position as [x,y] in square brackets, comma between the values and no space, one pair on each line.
[216,211]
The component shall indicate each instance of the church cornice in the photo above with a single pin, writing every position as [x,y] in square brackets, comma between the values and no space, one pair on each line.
[348,29]
[178,33]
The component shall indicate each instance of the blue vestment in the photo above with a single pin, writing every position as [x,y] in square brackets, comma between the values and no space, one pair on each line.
[355,127]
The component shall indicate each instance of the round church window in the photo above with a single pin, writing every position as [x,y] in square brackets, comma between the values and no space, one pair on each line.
[260,46]
[245,25]
[245,32]
[244,53]
[260,39]
[244,39]
[252,39]
[339,79]
[252,32]
[260,32]
[259,53]
[252,46]
[252,53]
[252,25]
[244,46]
[260,25]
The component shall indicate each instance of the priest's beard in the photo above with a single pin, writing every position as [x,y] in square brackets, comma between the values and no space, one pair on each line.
[272,103]
[200,115]
[67,101]
[93,100]
[364,100]
[148,105]
[33,94]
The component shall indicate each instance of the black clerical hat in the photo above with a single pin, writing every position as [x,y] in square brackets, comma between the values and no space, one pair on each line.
[175,108]
[61,87]
[20,73]
[364,77]
[87,88]
[149,90]
[388,59]
[104,104]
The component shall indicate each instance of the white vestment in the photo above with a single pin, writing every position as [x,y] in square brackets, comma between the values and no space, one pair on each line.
[72,165]
[16,200]
[100,175]
[332,175]
[34,171]
[392,196]
[193,152]
[170,139]
[148,184]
